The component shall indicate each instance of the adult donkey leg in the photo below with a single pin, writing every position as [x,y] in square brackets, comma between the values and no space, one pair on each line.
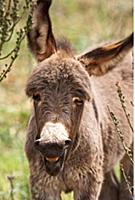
[126,185]
[110,187]
[89,187]
[42,194]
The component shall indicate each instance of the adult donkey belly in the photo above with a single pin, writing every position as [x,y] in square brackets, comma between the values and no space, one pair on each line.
[107,98]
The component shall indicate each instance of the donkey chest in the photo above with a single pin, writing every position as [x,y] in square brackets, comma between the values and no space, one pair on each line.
[74,174]
[66,181]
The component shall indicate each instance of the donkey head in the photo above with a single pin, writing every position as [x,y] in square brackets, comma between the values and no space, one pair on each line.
[60,85]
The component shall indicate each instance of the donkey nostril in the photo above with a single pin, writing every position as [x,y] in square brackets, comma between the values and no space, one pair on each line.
[36,142]
[67,142]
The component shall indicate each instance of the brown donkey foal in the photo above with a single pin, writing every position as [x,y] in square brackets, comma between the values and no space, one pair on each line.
[72,144]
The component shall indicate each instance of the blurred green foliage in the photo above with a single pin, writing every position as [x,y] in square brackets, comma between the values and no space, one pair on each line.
[85,23]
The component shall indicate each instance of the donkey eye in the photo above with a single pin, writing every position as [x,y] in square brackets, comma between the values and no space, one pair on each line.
[36,97]
[78,101]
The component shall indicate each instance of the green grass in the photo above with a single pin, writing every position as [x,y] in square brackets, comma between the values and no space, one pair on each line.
[85,23]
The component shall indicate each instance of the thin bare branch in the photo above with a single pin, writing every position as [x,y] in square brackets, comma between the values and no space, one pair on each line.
[129,186]
[120,134]
[11,179]
[122,100]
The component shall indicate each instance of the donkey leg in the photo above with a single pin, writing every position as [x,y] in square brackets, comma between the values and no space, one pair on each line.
[88,188]
[110,187]
[44,196]
[126,185]
[39,191]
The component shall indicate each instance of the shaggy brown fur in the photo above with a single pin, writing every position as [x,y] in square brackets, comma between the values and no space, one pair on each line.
[76,92]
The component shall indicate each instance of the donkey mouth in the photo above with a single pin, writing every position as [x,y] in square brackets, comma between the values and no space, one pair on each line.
[54,165]
[52,159]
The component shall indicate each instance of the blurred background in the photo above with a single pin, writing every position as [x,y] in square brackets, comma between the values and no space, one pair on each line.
[85,23]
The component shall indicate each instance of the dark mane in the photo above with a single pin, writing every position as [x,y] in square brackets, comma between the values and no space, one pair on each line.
[64,45]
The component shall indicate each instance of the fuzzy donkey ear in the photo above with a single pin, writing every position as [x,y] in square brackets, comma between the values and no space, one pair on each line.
[99,61]
[40,37]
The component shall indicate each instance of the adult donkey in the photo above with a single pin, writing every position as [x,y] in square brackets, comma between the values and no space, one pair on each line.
[72,144]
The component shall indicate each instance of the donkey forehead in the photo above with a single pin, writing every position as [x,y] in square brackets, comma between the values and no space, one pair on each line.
[58,70]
